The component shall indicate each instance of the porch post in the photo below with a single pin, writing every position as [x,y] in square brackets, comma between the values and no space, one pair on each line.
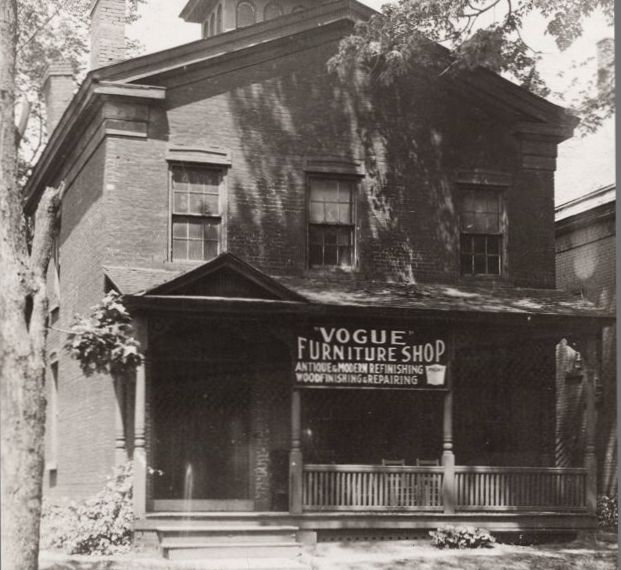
[296,460]
[448,457]
[590,460]
[120,444]
[140,455]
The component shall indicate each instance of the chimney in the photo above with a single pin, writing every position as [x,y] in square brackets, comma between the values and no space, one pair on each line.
[107,32]
[605,62]
[58,87]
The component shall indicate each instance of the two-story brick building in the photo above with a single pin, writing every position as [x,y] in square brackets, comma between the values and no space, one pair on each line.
[344,291]
[586,265]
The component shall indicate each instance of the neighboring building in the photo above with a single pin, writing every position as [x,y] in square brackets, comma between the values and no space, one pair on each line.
[585,265]
[345,292]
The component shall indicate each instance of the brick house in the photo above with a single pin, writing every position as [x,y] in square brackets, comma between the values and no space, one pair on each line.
[585,265]
[345,292]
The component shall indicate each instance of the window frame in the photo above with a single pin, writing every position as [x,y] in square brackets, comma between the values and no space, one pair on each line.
[499,191]
[212,22]
[355,183]
[218,19]
[254,11]
[270,4]
[222,170]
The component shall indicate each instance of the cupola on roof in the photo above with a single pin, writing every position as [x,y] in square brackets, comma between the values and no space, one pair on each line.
[218,16]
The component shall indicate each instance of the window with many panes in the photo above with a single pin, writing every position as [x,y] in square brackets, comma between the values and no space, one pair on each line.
[196,212]
[481,231]
[331,222]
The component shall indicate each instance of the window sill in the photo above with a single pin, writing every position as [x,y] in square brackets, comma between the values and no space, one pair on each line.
[330,272]
[484,279]
[183,264]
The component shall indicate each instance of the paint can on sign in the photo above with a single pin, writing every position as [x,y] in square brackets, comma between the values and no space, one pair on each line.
[435,374]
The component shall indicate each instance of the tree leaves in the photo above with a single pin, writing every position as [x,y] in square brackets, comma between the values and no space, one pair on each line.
[476,34]
[102,341]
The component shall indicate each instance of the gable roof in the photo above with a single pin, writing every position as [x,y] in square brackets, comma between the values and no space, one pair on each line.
[141,78]
[138,279]
[224,276]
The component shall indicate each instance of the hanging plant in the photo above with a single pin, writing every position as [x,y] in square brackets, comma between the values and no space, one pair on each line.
[102,341]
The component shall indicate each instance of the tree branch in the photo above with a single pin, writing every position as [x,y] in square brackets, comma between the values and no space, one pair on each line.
[42,244]
[478,11]
[59,6]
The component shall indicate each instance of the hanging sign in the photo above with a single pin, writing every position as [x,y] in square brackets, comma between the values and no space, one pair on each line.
[357,357]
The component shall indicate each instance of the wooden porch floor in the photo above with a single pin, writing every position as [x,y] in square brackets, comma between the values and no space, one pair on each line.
[548,521]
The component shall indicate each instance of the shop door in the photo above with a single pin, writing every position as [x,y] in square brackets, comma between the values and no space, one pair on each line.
[202,444]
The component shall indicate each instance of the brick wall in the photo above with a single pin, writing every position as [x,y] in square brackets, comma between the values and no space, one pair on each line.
[86,405]
[276,114]
[107,32]
[58,88]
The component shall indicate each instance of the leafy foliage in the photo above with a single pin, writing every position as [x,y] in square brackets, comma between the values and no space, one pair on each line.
[103,341]
[48,31]
[99,525]
[462,537]
[447,36]
[607,512]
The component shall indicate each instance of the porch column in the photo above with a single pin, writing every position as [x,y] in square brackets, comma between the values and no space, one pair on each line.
[140,455]
[448,457]
[296,461]
[590,460]
[120,443]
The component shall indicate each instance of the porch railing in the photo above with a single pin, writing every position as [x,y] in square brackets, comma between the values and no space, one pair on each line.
[409,488]
[371,487]
[520,488]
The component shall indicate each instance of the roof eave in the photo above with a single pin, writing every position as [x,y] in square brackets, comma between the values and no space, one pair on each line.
[139,68]
[89,92]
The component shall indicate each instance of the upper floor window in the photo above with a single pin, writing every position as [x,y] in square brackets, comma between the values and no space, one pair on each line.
[331,222]
[196,213]
[272,10]
[219,19]
[481,221]
[245,14]
[212,24]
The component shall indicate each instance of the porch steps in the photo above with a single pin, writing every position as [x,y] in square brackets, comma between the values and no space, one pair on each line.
[205,541]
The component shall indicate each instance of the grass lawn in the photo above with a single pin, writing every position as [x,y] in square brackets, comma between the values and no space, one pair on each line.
[377,556]
[402,555]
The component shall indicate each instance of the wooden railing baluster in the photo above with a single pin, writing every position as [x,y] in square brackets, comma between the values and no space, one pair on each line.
[374,487]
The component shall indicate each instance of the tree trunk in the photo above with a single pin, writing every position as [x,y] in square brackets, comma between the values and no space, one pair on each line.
[23,327]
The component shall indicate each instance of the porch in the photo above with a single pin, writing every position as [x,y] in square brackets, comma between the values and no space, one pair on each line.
[392,414]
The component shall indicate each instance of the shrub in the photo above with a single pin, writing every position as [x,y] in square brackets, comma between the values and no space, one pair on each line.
[462,537]
[607,512]
[99,525]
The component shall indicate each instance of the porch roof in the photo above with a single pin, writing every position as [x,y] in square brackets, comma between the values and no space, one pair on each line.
[143,290]
[445,297]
